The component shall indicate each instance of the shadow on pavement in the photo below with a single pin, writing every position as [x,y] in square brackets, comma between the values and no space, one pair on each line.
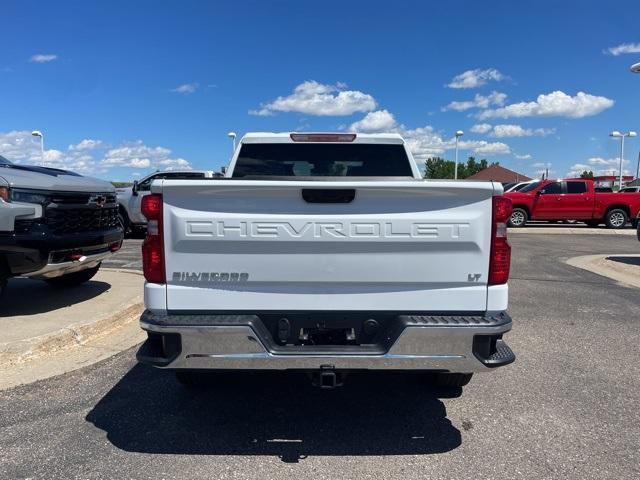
[278,414]
[635,261]
[31,297]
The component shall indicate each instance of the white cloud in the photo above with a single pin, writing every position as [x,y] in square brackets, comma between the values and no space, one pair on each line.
[494,148]
[88,156]
[313,98]
[87,144]
[138,155]
[523,157]
[554,104]
[175,164]
[475,78]
[481,128]
[623,48]
[43,58]
[600,166]
[186,88]
[378,121]
[425,142]
[479,101]
[509,130]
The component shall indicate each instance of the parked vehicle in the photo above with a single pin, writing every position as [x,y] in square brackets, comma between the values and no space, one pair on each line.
[55,225]
[326,253]
[130,199]
[630,189]
[572,199]
[516,187]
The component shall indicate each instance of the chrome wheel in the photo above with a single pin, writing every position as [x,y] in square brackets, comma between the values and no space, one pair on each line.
[617,219]
[518,218]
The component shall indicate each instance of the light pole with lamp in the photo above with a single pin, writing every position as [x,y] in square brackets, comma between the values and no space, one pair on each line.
[635,68]
[38,133]
[621,136]
[459,133]
[232,136]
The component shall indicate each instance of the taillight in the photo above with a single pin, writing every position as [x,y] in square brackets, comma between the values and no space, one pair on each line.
[500,260]
[153,246]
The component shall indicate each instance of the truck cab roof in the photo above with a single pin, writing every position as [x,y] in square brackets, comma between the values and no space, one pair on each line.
[321,137]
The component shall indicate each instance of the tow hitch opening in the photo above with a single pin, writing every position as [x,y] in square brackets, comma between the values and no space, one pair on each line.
[327,378]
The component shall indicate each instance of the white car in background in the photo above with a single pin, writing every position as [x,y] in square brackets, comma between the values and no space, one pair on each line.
[518,186]
[130,198]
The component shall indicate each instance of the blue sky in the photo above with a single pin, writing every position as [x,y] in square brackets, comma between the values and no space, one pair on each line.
[120,89]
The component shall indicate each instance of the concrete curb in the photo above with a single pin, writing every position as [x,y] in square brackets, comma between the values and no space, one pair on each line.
[570,231]
[601,265]
[69,336]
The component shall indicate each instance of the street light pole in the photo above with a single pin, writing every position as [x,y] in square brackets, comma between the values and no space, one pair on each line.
[459,133]
[232,136]
[38,133]
[621,160]
[621,136]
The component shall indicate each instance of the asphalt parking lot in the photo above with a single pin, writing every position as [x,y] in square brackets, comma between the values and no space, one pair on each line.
[568,407]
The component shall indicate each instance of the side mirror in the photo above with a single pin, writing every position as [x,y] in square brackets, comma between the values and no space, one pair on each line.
[134,188]
[540,192]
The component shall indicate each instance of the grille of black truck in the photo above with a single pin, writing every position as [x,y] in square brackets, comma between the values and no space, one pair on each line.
[73,198]
[83,219]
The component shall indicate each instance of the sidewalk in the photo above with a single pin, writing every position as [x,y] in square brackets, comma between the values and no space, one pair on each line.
[571,230]
[624,269]
[48,331]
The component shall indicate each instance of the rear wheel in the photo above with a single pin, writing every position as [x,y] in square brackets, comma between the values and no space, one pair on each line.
[452,379]
[73,279]
[518,217]
[616,218]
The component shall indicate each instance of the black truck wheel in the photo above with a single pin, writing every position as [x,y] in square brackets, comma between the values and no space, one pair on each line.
[73,279]
[123,220]
[4,275]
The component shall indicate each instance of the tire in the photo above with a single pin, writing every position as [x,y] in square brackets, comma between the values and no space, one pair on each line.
[518,218]
[454,380]
[4,276]
[616,218]
[73,279]
[593,223]
[3,284]
[123,219]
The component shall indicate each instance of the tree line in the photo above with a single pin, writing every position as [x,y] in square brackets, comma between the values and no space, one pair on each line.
[437,167]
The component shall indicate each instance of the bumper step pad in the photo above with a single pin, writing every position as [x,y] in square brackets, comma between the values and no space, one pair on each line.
[502,356]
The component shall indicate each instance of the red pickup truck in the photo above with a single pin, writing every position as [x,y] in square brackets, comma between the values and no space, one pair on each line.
[572,199]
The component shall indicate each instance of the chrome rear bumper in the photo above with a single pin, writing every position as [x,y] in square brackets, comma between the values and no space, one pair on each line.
[436,344]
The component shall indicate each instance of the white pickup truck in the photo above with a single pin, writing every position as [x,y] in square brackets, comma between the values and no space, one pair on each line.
[326,253]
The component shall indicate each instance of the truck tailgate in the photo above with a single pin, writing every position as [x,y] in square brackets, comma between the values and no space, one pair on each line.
[244,245]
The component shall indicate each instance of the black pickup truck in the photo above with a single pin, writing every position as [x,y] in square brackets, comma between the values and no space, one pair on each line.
[55,225]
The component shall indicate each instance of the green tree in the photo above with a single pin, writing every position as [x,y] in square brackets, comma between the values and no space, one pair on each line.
[586,174]
[439,168]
